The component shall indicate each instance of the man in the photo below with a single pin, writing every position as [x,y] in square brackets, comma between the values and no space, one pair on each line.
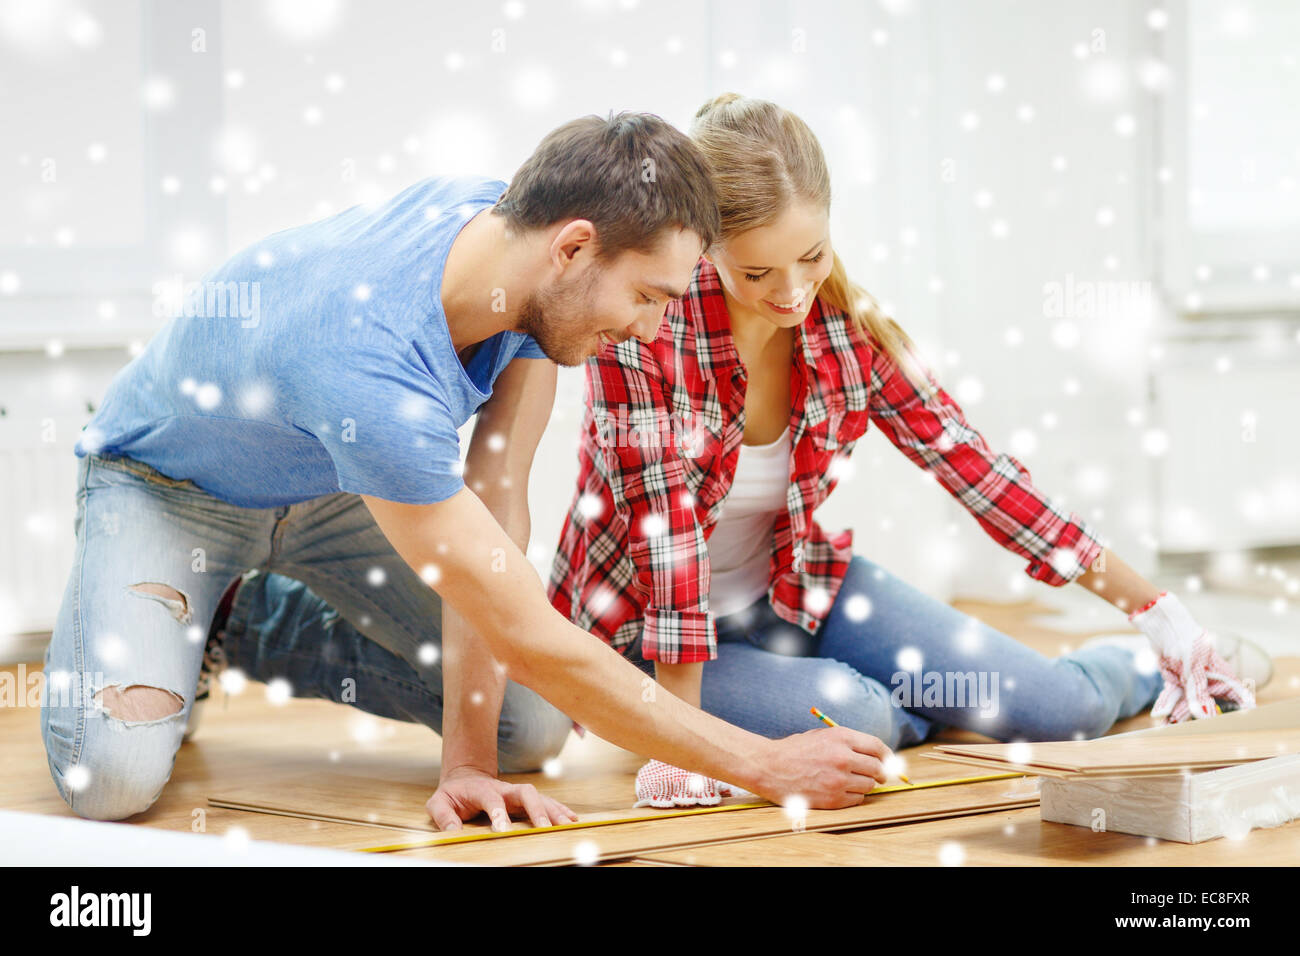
[318,438]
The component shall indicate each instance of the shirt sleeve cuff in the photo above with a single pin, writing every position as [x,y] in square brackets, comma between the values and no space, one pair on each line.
[1069,558]
[678,637]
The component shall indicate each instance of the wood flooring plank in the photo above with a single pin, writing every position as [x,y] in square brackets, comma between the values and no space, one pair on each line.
[1115,756]
[271,828]
[346,798]
[621,841]
[1278,715]
[1012,838]
[800,849]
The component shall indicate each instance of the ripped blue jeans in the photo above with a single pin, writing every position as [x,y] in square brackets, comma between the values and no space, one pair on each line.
[153,556]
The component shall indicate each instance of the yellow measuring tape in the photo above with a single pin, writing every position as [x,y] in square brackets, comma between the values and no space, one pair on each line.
[582,824]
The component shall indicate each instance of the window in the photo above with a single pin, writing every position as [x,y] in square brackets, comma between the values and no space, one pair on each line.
[1228,182]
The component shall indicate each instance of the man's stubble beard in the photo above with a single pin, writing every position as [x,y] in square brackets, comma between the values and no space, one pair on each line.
[560,319]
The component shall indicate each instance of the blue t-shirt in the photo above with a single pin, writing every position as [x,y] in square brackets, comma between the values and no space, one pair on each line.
[314,361]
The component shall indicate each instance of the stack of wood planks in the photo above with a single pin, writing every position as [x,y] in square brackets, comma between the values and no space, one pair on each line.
[1189,782]
[1125,756]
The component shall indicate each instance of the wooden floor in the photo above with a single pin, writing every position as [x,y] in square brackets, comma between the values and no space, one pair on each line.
[249,742]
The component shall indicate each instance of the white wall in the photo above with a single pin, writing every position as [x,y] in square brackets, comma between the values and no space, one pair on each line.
[979,150]
[886,87]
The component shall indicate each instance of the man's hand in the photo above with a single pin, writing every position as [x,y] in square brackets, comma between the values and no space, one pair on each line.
[1194,672]
[464,793]
[500,457]
[831,767]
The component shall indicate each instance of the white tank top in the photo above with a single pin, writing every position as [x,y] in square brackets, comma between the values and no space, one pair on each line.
[740,545]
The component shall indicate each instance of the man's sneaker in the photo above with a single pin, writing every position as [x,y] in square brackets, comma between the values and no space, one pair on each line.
[214,656]
[196,714]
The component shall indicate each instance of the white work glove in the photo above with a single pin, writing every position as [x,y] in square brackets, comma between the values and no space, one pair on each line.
[659,784]
[1194,672]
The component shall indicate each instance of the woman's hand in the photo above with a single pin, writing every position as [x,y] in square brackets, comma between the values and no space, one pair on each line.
[662,785]
[1194,672]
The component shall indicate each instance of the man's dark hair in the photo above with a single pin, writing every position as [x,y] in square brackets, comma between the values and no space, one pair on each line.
[630,174]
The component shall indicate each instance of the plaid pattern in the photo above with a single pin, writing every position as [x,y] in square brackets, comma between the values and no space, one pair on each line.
[661,435]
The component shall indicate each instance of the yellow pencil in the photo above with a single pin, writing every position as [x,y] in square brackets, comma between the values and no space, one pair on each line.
[830,723]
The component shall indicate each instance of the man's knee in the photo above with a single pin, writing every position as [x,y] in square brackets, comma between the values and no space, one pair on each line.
[127,757]
[527,740]
[138,703]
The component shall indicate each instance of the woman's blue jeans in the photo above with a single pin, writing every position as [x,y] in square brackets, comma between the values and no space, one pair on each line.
[894,662]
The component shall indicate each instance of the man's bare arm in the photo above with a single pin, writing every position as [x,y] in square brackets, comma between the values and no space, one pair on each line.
[454,544]
[500,456]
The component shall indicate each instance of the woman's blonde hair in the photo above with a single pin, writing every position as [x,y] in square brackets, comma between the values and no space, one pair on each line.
[762,158]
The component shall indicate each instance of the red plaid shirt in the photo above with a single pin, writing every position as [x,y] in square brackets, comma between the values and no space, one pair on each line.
[661,435]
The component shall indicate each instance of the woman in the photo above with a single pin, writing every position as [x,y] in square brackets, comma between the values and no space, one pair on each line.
[691,547]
